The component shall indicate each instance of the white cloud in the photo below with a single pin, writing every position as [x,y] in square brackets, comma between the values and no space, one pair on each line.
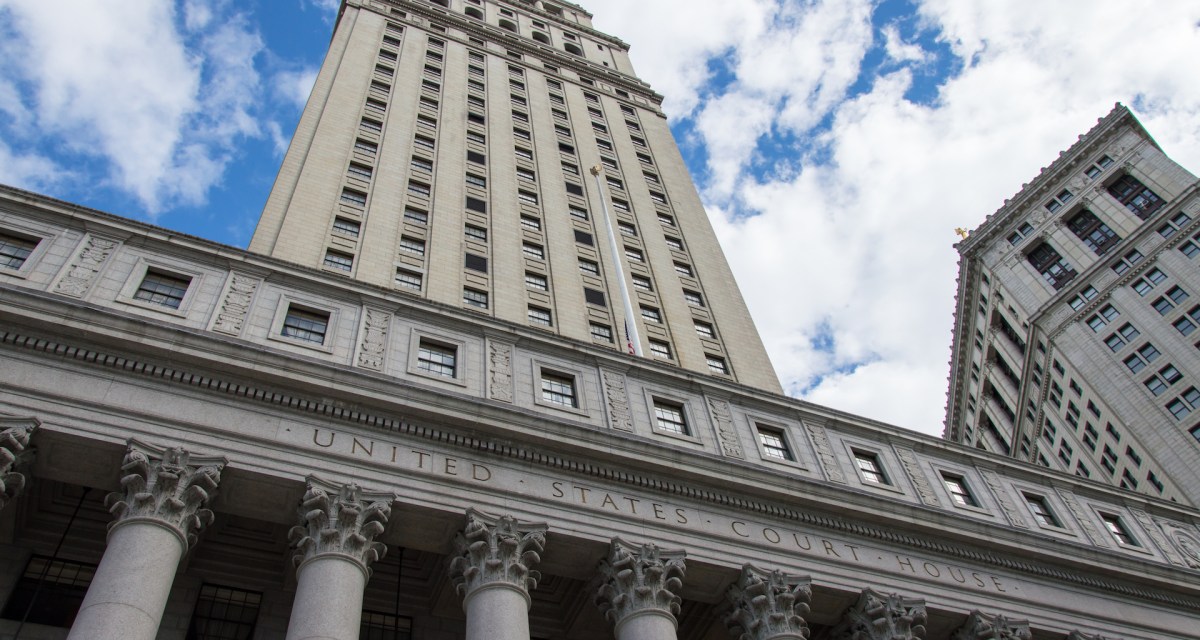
[900,51]
[28,171]
[295,85]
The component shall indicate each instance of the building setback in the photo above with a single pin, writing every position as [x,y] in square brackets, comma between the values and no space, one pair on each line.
[1075,329]
[327,437]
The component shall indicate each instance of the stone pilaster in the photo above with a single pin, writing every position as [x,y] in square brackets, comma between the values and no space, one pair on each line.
[878,616]
[15,452]
[493,570]
[768,605]
[639,589]
[157,514]
[335,547]
[980,626]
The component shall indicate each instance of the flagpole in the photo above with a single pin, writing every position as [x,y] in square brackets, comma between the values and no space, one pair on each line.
[630,321]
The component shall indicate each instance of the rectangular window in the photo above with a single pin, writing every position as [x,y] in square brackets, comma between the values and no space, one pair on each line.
[371,126]
[412,245]
[476,205]
[651,314]
[475,298]
[594,296]
[1016,237]
[369,148]
[535,281]
[956,486]
[420,164]
[634,255]
[589,267]
[1136,197]
[305,324]
[601,333]
[668,416]
[869,469]
[437,359]
[352,197]
[473,232]
[1094,233]
[574,189]
[360,171]
[338,260]
[641,282]
[774,444]
[60,586]
[583,238]
[423,142]
[475,262]
[660,349]
[531,223]
[476,181]
[627,229]
[476,157]
[533,251]
[527,197]
[1117,529]
[705,330]
[577,213]
[539,316]
[674,243]
[224,612]
[559,389]
[717,365]
[684,269]
[1041,511]
[418,188]
[162,288]
[1054,269]
[384,626]
[406,279]
[416,216]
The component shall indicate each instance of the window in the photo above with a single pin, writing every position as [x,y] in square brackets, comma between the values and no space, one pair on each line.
[651,314]
[705,330]
[162,289]
[224,612]
[1054,269]
[674,243]
[583,238]
[437,359]
[476,233]
[1118,531]
[956,486]
[539,316]
[559,389]
[660,349]
[693,298]
[1187,402]
[476,157]
[626,229]
[1145,355]
[1094,233]
[577,212]
[371,126]
[345,227]
[774,443]
[641,282]
[360,171]
[601,333]
[588,267]
[60,586]
[535,281]
[668,416]
[338,260]
[594,296]
[1099,166]
[1041,512]
[305,324]
[1016,237]
[476,137]
[420,164]
[406,279]
[526,174]
[1102,317]
[1140,200]
[684,269]
[475,298]
[869,469]
[416,216]
[475,262]
[423,142]
[527,197]
[369,148]
[418,188]
[533,251]
[634,255]
[1185,325]
[476,181]
[352,197]
[716,364]
[476,205]
[412,245]
[1173,226]
[1126,333]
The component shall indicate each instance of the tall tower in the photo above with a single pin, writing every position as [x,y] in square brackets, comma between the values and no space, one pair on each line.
[453,161]
[1075,330]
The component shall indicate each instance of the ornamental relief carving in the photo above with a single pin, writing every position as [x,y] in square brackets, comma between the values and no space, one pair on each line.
[617,400]
[723,418]
[372,349]
[1156,535]
[500,384]
[1185,542]
[639,578]
[169,485]
[236,304]
[824,452]
[1084,521]
[14,452]
[87,265]
[341,520]
[497,549]
[912,468]
[768,604]
[879,616]
[1006,504]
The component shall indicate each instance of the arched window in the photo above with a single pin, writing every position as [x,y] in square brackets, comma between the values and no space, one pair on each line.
[474,13]
[541,37]
[507,24]
[573,48]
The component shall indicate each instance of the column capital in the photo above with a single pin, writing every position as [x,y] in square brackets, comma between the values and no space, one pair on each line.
[637,579]
[768,604]
[14,452]
[880,616]
[497,550]
[980,626]
[168,486]
[341,520]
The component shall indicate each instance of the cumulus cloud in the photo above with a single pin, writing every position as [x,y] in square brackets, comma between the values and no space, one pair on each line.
[293,86]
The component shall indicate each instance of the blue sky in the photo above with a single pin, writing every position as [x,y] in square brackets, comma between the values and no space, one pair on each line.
[838,142]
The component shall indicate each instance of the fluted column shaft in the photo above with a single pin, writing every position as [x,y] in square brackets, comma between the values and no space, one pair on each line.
[335,547]
[639,590]
[493,570]
[157,514]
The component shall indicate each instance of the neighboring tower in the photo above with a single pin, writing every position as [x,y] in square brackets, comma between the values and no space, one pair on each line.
[1075,332]
[451,161]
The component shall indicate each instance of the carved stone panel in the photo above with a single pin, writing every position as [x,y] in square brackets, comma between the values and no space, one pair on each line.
[1186,543]
[235,304]
[341,520]
[723,418]
[373,344]
[169,485]
[617,399]
[878,616]
[1010,510]
[86,267]
[1082,518]
[980,626]
[494,550]
[912,468]
[768,604]
[500,381]
[824,451]
[14,452]
[636,579]
[1156,536]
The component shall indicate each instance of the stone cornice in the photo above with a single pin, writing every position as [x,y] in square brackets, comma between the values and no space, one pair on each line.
[1048,566]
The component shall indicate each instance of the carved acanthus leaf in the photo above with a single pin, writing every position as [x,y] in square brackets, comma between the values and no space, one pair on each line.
[497,549]
[879,616]
[980,626]
[342,520]
[768,604]
[14,452]
[637,579]
[169,485]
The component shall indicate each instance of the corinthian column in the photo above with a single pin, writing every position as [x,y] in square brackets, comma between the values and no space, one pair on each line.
[879,616]
[980,626]
[14,451]
[639,590]
[768,605]
[157,515]
[493,571]
[335,547]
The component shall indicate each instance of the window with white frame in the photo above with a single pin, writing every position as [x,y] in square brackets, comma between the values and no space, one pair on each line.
[669,417]
[308,325]
[869,468]
[559,389]
[437,359]
[774,443]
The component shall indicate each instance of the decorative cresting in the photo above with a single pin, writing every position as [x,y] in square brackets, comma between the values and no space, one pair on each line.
[878,616]
[497,550]
[168,485]
[637,579]
[341,520]
[768,605]
[980,626]
[14,452]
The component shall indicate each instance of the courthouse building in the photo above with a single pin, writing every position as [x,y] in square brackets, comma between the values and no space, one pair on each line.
[410,410]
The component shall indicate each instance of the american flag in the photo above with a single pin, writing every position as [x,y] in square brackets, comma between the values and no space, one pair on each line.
[629,340]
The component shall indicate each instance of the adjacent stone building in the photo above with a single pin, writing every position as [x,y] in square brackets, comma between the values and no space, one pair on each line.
[1075,330]
[198,441]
